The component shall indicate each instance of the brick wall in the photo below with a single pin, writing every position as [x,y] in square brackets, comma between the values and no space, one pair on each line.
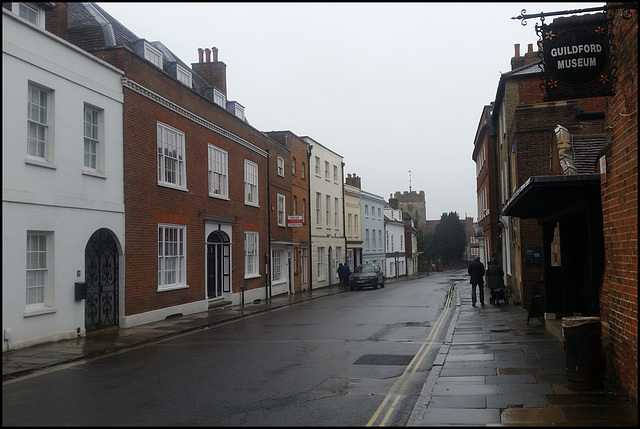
[619,296]
[147,203]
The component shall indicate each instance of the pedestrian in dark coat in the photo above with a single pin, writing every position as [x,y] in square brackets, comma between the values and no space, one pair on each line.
[341,274]
[345,274]
[476,274]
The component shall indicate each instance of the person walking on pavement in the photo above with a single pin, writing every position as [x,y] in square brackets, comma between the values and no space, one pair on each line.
[341,274]
[476,274]
[346,272]
[495,281]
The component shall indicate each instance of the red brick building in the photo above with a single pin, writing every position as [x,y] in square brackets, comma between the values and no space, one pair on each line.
[299,207]
[196,194]
[619,194]
[586,202]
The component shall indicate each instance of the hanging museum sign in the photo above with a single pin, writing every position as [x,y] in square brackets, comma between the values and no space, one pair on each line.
[577,58]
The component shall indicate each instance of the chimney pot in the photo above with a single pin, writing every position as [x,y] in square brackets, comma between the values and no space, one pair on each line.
[530,48]
[208,52]
[200,51]
[517,49]
[215,54]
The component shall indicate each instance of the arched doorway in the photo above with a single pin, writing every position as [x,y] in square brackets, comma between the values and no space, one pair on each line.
[218,264]
[101,275]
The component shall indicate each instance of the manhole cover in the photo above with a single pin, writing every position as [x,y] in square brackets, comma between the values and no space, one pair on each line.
[384,360]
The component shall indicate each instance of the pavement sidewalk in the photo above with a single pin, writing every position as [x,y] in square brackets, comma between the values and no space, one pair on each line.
[493,369]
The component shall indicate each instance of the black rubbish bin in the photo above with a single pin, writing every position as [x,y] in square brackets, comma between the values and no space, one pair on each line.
[583,347]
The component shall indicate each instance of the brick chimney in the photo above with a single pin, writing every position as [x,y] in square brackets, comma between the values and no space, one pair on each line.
[214,72]
[354,180]
[531,56]
[517,61]
[56,19]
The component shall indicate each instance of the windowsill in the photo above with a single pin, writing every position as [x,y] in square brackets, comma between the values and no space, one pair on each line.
[219,197]
[39,162]
[93,173]
[172,186]
[39,311]
[170,288]
[255,276]
[251,204]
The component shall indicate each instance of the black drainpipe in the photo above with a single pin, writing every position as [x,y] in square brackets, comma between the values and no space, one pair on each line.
[308,179]
[267,259]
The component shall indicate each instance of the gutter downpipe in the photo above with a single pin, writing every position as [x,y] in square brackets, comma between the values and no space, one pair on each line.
[267,259]
[309,148]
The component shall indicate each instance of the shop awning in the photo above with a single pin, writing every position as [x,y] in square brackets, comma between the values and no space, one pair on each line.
[544,196]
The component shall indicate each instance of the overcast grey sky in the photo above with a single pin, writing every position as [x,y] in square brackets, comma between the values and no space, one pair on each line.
[396,89]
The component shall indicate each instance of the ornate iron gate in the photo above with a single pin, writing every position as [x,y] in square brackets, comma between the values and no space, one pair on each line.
[101,275]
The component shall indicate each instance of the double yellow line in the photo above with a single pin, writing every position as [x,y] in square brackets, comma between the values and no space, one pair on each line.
[401,383]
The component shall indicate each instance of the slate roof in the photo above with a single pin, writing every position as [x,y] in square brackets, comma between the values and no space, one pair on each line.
[91,27]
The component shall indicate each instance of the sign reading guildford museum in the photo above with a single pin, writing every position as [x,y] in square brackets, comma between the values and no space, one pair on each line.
[577,60]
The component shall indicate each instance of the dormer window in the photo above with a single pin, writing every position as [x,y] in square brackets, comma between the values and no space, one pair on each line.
[236,108]
[183,75]
[152,55]
[31,13]
[219,98]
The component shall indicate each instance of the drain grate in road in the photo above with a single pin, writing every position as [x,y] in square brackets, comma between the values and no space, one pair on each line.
[384,360]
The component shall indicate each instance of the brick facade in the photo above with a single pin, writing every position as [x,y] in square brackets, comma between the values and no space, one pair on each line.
[619,296]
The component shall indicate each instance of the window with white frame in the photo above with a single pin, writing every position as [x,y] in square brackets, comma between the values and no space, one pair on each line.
[320,263]
[171,159]
[366,234]
[326,170]
[380,239]
[280,166]
[38,115]
[251,267]
[184,75]
[373,239]
[317,166]
[218,172]
[349,217]
[366,210]
[219,98]
[379,213]
[275,265]
[293,166]
[93,148]
[318,208]
[295,205]
[355,225]
[302,170]
[31,13]
[335,173]
[327,210]
[281,210]
[172,256]
[38,263]
[336,208]
[250,183]
[153,55]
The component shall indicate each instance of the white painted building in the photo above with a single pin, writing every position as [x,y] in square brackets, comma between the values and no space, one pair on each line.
[328,242]
[62,183]
[395,265]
